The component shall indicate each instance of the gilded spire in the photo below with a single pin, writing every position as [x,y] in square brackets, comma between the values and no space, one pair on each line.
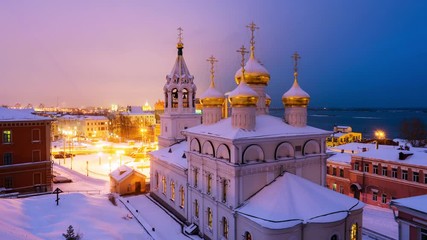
[252,26]
[212,60]
[180,45]
[296,57]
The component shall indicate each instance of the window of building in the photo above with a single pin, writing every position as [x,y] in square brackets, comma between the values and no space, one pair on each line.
[174,98]
[384,171]
[172,190]
[354,234]
[164,184]
[248,236]
[334,187]
[384,198]
[341,172]
[356,166]
[156,176]
[36,155]
[182,194]
[224,190]
[375,196]
[375,169]
[7,158]
[8,182]
[37,178]
[334,237]
[7,136]
[366,167]
[394,172]
[209,181]
[341,189]
[405,174]
[334,171]
[425,177]
[196,208]
[35,135]
[224,228]
[196,177]
[210,216]
[327,169]
[415,176]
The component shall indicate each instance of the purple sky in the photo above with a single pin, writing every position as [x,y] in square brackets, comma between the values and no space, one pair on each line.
[99,52]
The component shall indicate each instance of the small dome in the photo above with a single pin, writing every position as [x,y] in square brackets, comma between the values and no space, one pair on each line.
[212,98]
[255,73]
[243,96]
[295,96]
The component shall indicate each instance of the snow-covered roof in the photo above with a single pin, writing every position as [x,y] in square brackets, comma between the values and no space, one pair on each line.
[121,173]
[357,147]
[83,117]
[391,154]
[340,158]
[284,203]
[8,115]
[417,203]
[173,154]
[266,126]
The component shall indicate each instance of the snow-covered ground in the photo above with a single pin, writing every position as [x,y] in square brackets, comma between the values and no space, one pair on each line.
[380,220]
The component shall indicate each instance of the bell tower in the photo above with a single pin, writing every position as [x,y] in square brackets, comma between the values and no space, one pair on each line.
[179,93]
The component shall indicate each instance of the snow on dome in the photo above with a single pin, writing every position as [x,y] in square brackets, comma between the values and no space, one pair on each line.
[243,95]
[295,96]
[7,114]
[212,97]
[255,73]
[283,204]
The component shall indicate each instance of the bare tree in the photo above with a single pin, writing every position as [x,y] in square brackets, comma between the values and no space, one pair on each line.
[414,130]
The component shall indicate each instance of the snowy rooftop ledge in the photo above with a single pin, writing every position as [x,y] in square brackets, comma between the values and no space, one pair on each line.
[283,204]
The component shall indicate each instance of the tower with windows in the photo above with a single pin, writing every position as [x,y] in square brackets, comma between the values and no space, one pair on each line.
[179,93]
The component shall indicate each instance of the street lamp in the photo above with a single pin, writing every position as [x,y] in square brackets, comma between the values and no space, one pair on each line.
[100,155]
[380,135]
[143,132]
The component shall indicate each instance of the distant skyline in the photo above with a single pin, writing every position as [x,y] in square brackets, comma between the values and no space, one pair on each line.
[100,52]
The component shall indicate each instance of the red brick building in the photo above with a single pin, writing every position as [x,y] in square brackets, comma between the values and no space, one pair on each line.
[25,164]
[376,176]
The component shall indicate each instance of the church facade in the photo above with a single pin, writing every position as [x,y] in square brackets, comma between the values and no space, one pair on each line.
[251,175]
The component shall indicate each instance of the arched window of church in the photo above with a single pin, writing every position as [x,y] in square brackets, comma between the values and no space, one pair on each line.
[174,98]
[194,99]
[185,100]
[334,237]
[210,218]
[157,179]
[164,184]
[196,177]
[224,190]
[209,181]
[311,147]
[248,236]
[224,227]
[196,208]
[182,194]
[166,99]
[354,234]
[172,190]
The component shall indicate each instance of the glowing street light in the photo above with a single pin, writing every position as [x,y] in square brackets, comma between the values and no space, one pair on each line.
[380,134]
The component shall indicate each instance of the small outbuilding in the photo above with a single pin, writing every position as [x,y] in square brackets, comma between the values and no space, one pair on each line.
[126,180]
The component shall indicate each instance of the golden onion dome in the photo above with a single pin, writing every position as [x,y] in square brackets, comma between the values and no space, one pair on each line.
[255,73]
[212,98]
[295,96]
[243,96]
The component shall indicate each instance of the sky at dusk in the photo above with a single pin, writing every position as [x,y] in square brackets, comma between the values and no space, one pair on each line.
[99,52]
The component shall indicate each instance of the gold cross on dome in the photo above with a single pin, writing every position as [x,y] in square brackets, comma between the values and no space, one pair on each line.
[252,26]
[212,60]
[180,30]
[243,51]
[296,57]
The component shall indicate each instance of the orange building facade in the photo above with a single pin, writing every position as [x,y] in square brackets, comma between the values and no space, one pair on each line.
[377,176]
[25,164]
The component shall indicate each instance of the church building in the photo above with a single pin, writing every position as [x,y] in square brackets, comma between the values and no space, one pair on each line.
[251,175]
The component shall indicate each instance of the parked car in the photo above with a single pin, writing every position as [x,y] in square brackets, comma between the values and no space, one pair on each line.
[62,154]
